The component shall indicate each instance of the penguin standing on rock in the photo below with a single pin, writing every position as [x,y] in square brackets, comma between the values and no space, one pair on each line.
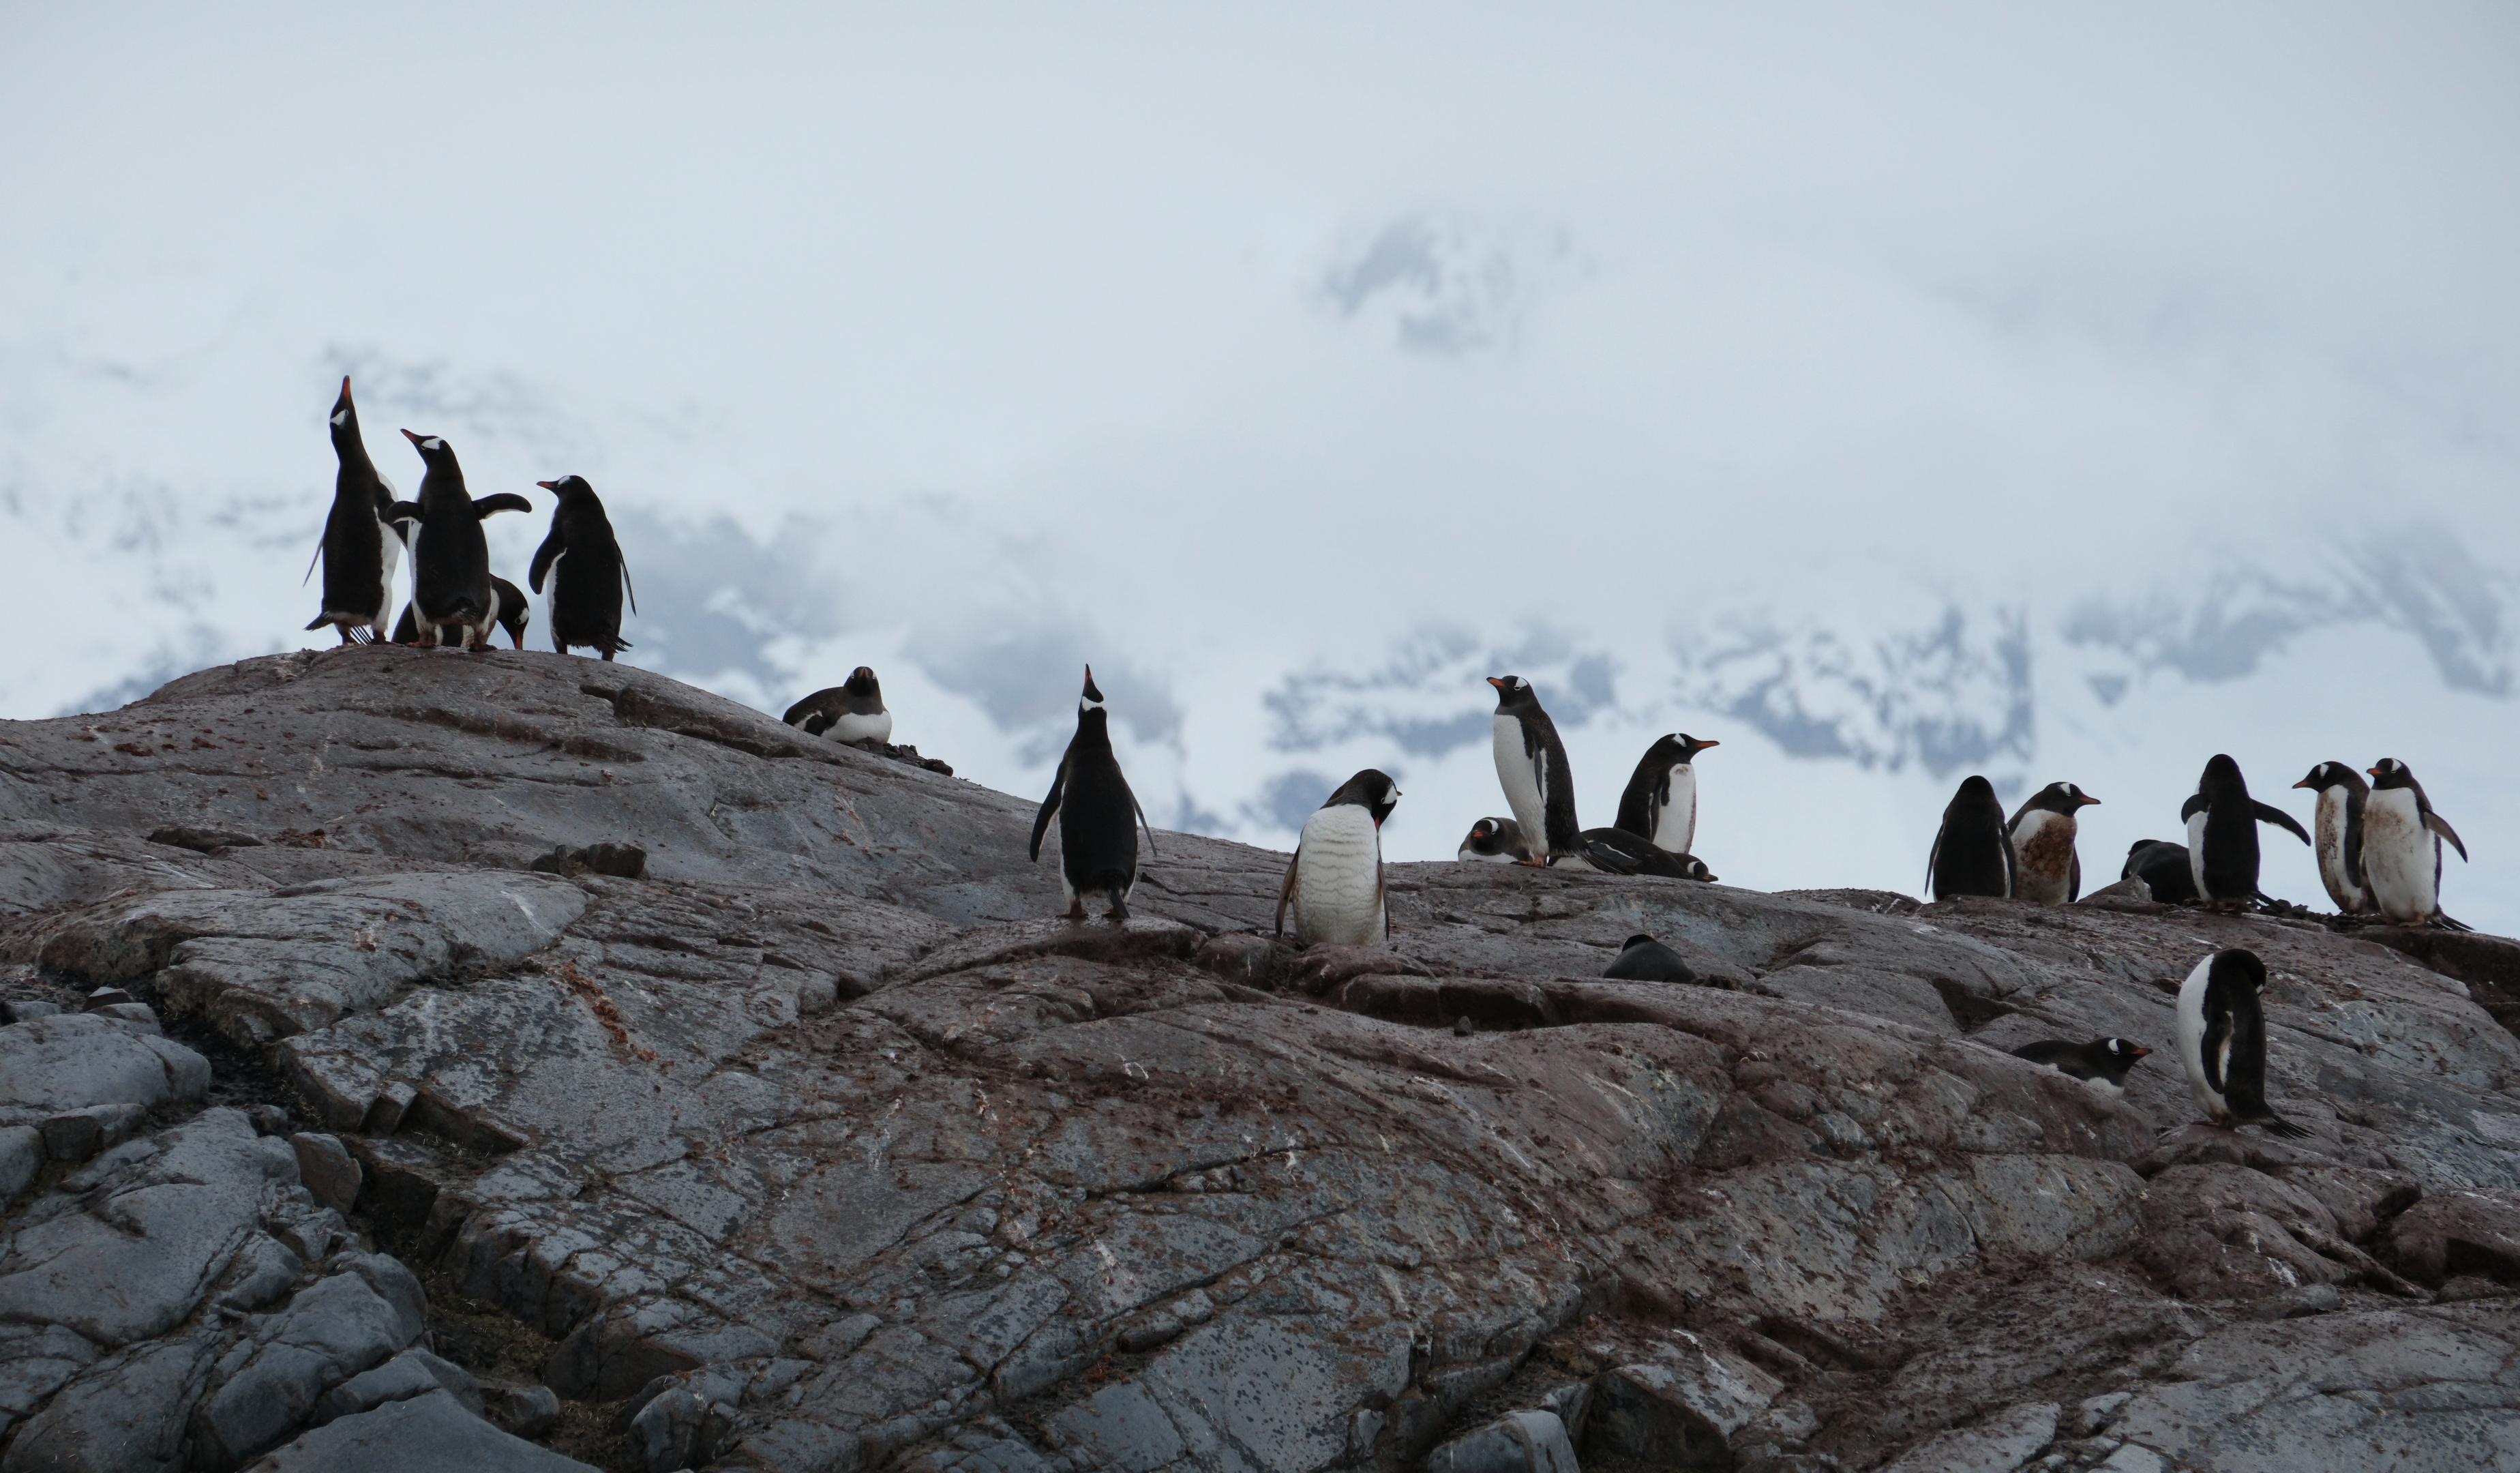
[1494,841]
[2101,1063]
[451,588]
[2402,840]
[2340,792]
[1531,763]
[361,546]
[851,712]
[1099,817]
[2223,1041]
[2042,839]
[1334,881]
[1973,850]
[516,612]
[587,574]
[1661,802]
[2223,835]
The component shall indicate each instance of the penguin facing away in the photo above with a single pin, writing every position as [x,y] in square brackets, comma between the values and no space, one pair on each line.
[1644,959]
[2043,831]
[2223,1041]
[2340,792]
[1335,879]
[361,546]
[2402,840]
[2223,821]
[515,612]
[583,562]
[1661,802]
[851,711]
[2102,1063]
[1531,765]
[1099,817]
[1494,841]
[1973,854]
[450,560]
[1617,851]
[2163,866]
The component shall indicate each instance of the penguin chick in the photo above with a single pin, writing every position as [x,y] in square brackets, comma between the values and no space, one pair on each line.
[2043,840]
[1645,959]
[1531,765]
[2101,1063]
[1335,880]
[1973,851]
[2223,821]
[852,711]
[2402,840]
[1098,843]
[2223,1041]
[583,563]
[2340,792]
[2162,864]
[1661,802]
[450,558]
[361,546]
[1617,851]
[1494,841]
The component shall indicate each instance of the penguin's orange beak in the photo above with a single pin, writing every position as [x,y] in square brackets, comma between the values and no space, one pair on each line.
[1710,744]
[2087,801]
[414,439]
[2374,771]
[1495,681]
[2304,783]
[548,486]
[2141,1052]
[345,386]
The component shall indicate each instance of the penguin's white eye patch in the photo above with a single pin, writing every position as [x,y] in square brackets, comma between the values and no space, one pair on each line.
[432,443]
[342,418]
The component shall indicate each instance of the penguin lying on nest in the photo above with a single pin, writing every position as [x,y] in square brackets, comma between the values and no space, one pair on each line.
[1616,851]
[851,711]
[1494,841]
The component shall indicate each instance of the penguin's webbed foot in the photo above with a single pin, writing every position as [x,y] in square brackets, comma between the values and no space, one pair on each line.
[1076,910]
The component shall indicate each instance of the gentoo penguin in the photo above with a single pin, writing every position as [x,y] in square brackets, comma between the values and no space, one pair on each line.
[451,590]
[2163,867]
[1645,959]
[361,547]
[587,574]
[1617,851]
[516,612]
[1972,852]
[2102,1062]
[1661,802]
[1494,841]
[1531,763]
[1098,838]
[2043,840]
[2223,1041]
[1334,881]
[2223,835]
[2340,792]
[2402,840]
[852,711]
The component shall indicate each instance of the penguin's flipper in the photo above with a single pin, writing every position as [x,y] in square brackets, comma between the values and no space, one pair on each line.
[2012,868]
[629,588]
[405,511]
[2440,825]
[2195,806]
[2215,1049]
[1933,856]
[2074,881]
[1049,810]
[2268,814]
[317,623]
[1286,891]
[310,567]
[2277,1124]
[1143,824]
[499,501]
[546,555]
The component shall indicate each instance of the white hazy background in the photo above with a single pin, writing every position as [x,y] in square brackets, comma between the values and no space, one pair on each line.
[1228,348]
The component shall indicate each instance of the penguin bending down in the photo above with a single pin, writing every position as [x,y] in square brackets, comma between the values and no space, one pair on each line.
[1661,802]
[361,546]
[2223,835]
[851,711]
[2402,840]
[1645,959]
[2043,841]
[2340,792]
[587,574]
[1531,763]
[1494,841]
[2163,867]
[1973,852]
[450,560]
[513,613]
[1618,851]
[2223,1041]
[1098,838]
[2102,1063]
[1334,881]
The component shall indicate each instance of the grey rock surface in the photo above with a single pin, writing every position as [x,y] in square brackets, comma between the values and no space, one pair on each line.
[813,1141]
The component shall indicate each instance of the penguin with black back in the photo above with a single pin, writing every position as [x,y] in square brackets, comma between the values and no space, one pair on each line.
[1099,817]
[516,612]
[1335,880]
[583,563]
[2402,840]
[1661,802]
[1531,765]
[2223,1041]
[1973,852]
[2162,864]
[2223,835]
[851,711]
[1494,841]
[2044,829]
[2340,792]
[1617,851]
[2102,1063]
[361,545]
[1641,958]
[451,588]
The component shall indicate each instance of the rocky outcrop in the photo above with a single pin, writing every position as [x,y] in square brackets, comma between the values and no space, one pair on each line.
[790,1132]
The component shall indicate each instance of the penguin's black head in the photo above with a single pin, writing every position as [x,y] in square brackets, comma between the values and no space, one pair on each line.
[2389,773]
[2223,775]
[2061,797]
[1514,693]
[1374,791]
[1694,868]
[568,488]
[1975,793]
[1677,746]
[1092,700]
[860,681]
[2122,1053]
[1638,940]
[346,415]
[432,449]
[2328,775]
[2241,966]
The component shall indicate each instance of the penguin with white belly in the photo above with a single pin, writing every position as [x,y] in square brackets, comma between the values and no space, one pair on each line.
[848,712]
[2223,821]
[2223,1041]
[2341,794]
[1531,765]
[1334,881]
[2042,839]
[451,589]
[1661,802]
[2402,840]
[362,545]
[1099,817]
